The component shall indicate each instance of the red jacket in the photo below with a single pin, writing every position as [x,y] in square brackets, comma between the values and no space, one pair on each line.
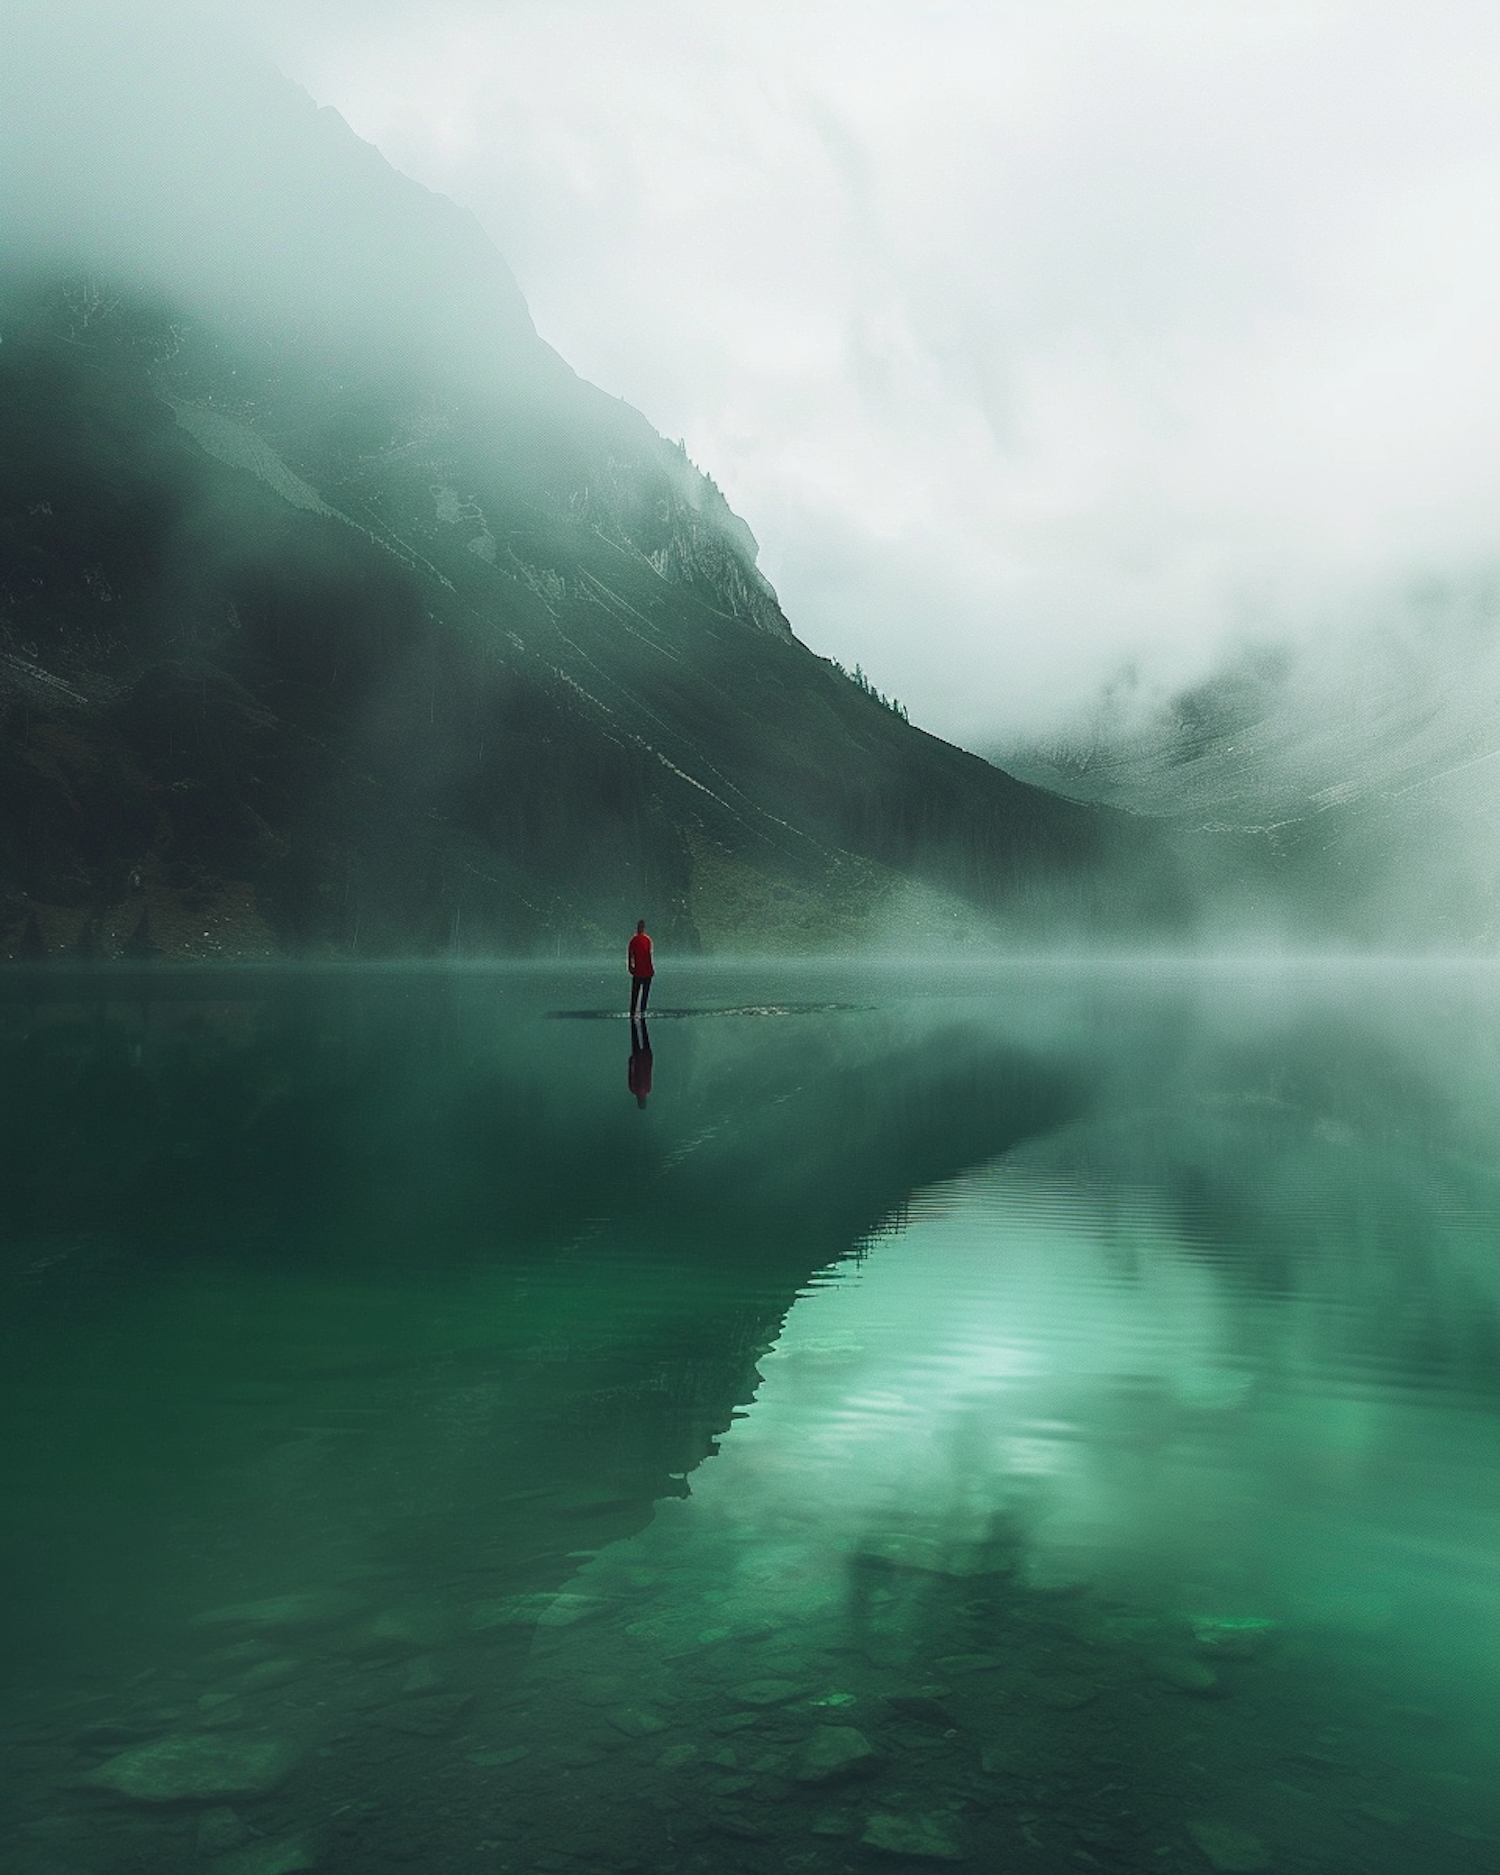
[638,956]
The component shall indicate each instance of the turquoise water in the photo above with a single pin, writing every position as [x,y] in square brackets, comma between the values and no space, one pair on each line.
[1035,1418]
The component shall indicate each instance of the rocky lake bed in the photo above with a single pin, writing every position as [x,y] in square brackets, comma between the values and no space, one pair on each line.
[1028,1430]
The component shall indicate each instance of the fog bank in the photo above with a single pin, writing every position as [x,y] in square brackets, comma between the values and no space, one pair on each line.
[1039,343]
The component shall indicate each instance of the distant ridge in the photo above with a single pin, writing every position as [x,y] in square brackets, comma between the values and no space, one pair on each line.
[1348,791]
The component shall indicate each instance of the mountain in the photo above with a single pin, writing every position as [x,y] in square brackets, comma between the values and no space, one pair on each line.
[1344,790]
[338,616]
[303,658]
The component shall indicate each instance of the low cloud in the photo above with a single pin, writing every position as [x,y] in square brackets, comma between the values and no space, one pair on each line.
[1034,341]
[1038,343]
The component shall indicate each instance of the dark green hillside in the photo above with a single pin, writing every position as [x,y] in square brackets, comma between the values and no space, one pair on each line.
[328,633]
[294,663]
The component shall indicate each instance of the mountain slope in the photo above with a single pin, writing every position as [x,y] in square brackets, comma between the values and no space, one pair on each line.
[1349,789]
[340,616]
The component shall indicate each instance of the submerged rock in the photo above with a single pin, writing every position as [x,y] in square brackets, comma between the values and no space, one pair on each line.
[1231,1850]
[1006,1758]
[240,1653]
[496,1760]
[64,1827]
[562,1611]
[314,1609]
[922,1837]
[539,1611]
[421,1676]
[1185,1675]
[921,1706]
[124,1731]
[403,1630]
[603,1689]
[285,1857]
[764,1692]
[1064,1691]
[220,1830]
[578,1757]
[508,1611]
[188,1769]
[1322,1763]
[427,1718]
[268,1673]
[734,1823]
[832,1751]
[1115,1627]
[635,1722]
[1383,1814]
[1241,1638]
[922,1554]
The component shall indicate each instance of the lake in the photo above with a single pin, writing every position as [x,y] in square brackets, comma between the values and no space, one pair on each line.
[1033,1416]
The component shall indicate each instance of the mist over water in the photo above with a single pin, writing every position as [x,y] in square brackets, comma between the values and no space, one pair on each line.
[1350,785]
[982,1411]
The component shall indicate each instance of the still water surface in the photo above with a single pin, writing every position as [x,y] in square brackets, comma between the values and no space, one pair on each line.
[1038,1418]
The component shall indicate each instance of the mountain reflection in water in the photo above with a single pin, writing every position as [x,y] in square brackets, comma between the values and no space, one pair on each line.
[1046,1420]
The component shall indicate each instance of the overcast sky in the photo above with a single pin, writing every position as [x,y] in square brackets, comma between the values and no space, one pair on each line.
[1036,341]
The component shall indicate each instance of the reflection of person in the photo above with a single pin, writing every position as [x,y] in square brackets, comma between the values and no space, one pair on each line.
[638,963]
[638,1075]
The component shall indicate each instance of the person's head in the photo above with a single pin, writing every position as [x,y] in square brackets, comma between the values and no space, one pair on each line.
[640,927]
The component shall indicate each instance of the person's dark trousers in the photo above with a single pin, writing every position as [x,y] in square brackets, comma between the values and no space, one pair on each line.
[640,995]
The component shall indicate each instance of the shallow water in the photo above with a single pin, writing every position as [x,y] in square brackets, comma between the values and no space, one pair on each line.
[1042,1417]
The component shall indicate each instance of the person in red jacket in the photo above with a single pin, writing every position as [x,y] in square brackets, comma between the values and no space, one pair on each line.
[638,963]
